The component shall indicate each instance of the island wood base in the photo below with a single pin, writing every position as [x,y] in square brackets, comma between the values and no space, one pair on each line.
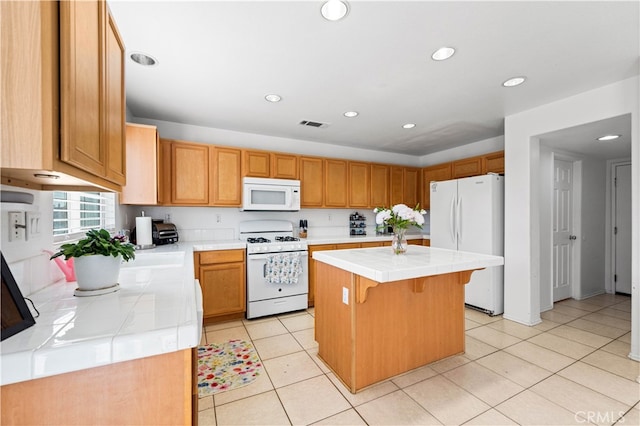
[156,390]
[387,328]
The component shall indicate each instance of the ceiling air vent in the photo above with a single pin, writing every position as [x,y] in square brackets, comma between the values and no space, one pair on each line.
[313,124]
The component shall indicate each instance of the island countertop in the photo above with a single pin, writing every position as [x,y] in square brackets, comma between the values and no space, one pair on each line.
[382,265]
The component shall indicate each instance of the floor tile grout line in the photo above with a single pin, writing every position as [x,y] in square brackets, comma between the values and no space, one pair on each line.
[470,361]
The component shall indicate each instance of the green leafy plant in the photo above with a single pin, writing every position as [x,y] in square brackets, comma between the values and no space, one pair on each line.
[98,241]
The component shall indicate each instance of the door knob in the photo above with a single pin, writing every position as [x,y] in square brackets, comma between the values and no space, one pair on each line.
[572,237]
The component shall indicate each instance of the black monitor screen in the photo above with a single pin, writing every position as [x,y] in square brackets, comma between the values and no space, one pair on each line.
[15,313]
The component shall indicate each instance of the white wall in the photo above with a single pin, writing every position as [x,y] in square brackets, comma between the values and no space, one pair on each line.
[523,197]
[465,151]
[170,130]
[201,223]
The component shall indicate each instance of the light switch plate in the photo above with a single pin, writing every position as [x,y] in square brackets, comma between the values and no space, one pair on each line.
[345,295]
[34,226]
[16,226]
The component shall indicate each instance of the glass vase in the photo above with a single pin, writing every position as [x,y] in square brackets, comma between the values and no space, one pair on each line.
[399,242]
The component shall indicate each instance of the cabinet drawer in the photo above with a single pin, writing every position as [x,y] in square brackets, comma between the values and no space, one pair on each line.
[221,256]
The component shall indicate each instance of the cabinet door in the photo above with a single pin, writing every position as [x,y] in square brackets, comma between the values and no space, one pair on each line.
[411,187]
[396,185]
[142,177]
[372,244]
[379,185]
[223,288]
[335,183]
[467,167]
[430,174]
[226,177]
[189,173]
[493,163]
[284,166]
[359,184]
[311,181]
[256,163]
[82,48]
[115,106]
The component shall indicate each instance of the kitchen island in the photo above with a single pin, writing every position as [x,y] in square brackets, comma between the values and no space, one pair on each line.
[378,314]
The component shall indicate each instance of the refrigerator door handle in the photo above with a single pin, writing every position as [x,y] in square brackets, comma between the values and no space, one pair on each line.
[452,220]
[459,222]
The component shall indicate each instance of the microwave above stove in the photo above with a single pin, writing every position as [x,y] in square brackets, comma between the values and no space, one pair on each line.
[264,194]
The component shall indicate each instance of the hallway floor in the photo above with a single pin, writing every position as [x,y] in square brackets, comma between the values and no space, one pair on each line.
[570,369]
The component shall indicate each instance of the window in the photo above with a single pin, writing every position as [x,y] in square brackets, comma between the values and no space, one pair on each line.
[74,213]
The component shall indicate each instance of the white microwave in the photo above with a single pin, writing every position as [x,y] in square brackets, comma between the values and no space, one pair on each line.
[264,194]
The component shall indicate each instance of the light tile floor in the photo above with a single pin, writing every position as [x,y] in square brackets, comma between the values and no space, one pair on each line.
[570,369]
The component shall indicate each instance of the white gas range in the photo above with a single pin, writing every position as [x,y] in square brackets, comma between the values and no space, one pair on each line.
[277,268]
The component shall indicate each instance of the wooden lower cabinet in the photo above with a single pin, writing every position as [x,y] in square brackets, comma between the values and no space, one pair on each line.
[426,243]
[222,276]
[155,390]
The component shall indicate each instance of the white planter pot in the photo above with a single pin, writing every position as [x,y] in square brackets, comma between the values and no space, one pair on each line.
[97,272]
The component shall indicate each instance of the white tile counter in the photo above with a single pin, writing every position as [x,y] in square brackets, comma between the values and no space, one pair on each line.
[339,239]
[154,312]
[382,265]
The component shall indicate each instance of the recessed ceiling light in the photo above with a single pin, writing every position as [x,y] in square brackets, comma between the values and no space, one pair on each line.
[334,10]
[351,114]
[273,98]
[443,53]
[608,137]
[408,126]
[515,81]
[144,59]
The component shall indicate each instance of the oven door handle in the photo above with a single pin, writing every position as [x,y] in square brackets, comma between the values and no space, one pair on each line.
[264,270]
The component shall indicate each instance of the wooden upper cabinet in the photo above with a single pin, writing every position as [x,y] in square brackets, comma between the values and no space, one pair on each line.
[335,183]
[311,182]
[493,163]
[379,185]
[92,90]
[430,174]
[66,114]
[396,185]
[467,167]
[411,186]
[82,48]
[359,184]
[142,149]
[189,173]
[115,105]
[227,190]
[269,164]
[256,163]
[284,166]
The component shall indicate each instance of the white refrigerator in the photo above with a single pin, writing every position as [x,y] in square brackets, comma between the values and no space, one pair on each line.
[468,215]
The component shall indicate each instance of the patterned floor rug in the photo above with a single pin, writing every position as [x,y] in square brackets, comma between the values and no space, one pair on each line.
[226,366]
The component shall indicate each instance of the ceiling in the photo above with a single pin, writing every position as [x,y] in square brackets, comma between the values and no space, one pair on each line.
[218,59]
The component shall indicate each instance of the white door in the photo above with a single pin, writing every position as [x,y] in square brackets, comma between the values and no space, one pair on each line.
[562,229]
[622,229]
[443,198]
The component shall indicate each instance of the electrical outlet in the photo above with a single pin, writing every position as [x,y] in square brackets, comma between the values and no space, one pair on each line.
[16,226]
[329,218]
[33,226]
[167,217]
[218,218]
[345,295]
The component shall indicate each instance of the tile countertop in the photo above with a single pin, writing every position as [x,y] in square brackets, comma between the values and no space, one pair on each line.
[154,312]
[339,239]
[382,265]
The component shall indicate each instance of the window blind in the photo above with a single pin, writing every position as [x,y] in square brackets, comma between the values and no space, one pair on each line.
[74,213]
